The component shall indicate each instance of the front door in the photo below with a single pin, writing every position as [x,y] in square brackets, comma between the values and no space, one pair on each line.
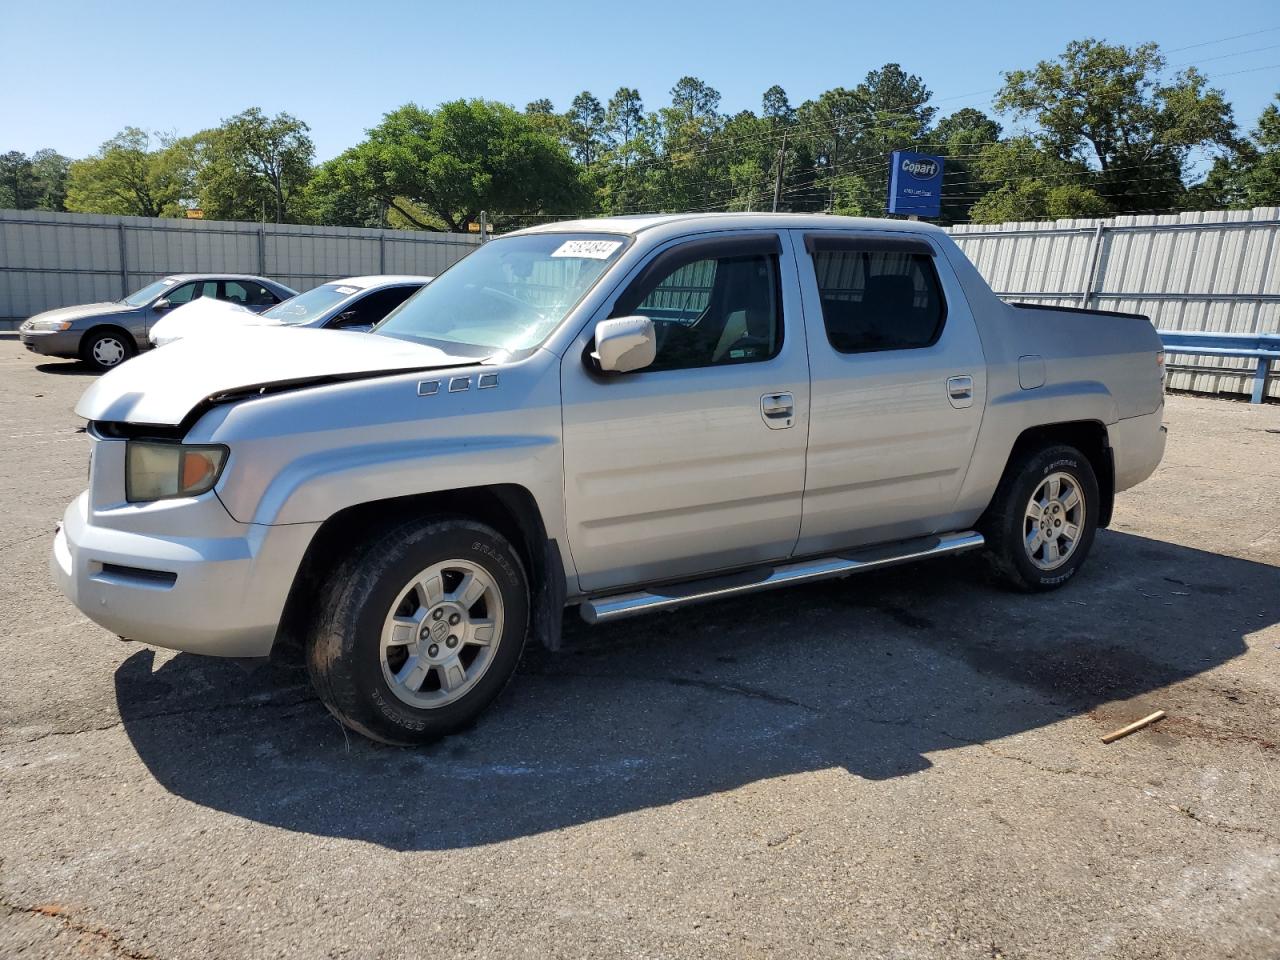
[899,388]
[696,463]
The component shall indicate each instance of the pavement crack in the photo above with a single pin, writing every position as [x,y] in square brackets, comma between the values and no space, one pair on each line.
[58,913]
[168,714]
[754,693]
[718,686]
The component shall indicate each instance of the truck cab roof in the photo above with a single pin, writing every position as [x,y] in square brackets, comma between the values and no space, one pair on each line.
[635,224]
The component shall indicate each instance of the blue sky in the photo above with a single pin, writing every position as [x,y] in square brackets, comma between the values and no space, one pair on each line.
[74,73]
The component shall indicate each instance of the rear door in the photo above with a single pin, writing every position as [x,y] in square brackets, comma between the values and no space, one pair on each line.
[899,387]
[696,463]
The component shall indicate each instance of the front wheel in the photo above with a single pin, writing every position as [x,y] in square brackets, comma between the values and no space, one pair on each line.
[1042,520]
[106,349]
[420,629]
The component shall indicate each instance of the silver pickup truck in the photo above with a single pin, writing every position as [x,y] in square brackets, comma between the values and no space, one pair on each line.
[623,415]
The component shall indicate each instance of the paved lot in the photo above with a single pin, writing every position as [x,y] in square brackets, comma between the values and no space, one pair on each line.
[905,765]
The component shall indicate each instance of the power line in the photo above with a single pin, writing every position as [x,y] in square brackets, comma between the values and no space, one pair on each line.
[1237,36]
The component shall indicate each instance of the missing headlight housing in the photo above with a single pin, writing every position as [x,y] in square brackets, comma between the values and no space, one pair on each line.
[156,470]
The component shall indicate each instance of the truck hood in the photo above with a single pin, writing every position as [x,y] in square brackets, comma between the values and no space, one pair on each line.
[85,310]
[162,387]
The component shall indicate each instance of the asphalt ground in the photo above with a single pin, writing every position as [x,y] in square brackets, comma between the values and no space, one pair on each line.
[906,764]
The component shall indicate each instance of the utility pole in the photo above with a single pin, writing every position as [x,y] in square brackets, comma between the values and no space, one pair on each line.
[782,162]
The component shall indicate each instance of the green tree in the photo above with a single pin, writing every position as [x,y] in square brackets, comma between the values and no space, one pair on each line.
[687,176]
[254,164]
[1105,105]
[960,138]
[36,182]
[1251,177]
[851,133]
[50,169]
[439,169]
[129,176]
[587,128]
[624,119]
[1029,183]
[618,186]
[17,181]
[776,107]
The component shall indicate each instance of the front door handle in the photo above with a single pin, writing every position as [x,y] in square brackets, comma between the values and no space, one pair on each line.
[960,391]
[778,410]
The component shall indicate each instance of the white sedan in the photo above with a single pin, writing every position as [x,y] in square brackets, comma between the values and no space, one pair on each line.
[356,303]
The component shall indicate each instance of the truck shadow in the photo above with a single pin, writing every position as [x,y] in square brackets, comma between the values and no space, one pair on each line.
[871,675]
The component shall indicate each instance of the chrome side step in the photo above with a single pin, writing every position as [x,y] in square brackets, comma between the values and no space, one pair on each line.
[605,609]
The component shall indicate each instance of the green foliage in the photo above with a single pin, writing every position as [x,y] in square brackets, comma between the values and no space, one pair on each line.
[1251,176]
[850,134]
[36,182]
[1106,104]
[464,157]
[253,166]
[130,176]
[961,138]
[1026,182]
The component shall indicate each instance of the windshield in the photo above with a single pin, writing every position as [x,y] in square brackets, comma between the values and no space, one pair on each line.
[507,295]
[309,305]
[149,293]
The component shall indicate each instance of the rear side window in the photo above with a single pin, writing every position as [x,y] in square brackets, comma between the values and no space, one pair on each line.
[248,294]
[878,298]
[372,308]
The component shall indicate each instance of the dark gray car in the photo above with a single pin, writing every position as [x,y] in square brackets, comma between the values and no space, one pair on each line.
[107,334]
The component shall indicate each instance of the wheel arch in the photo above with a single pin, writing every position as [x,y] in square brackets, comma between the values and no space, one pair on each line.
[1090,438]
[511,509]
[98,328]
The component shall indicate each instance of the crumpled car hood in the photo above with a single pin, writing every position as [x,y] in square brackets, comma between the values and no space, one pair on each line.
[201,316]
[163,386]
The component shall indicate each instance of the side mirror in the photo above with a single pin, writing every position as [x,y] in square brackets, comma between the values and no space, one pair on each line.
[161,305]
[624,344]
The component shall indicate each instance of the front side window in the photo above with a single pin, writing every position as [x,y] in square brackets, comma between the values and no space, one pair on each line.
[711,310]
[878,299]
[507,296]
[148,293]
[183,294]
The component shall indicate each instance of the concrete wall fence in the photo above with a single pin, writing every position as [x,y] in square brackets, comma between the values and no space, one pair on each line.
[1215,271]
[58,259]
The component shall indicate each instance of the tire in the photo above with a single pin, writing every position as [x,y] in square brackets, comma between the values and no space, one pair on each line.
[396,653]
[106,349]
[1041,548]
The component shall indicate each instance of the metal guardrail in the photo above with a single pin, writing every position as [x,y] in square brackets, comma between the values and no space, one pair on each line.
[1263,348]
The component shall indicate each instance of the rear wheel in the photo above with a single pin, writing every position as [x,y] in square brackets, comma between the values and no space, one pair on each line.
[1043,518]
[420,630]
[105,349]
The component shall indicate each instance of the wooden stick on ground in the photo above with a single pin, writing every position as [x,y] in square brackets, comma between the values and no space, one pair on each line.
[1133,727]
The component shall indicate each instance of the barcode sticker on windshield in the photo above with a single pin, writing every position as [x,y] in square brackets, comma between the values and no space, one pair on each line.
[587,249]
[347,290]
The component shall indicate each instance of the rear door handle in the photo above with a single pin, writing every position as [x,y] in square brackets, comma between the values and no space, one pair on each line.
[778,410]
[960,391]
